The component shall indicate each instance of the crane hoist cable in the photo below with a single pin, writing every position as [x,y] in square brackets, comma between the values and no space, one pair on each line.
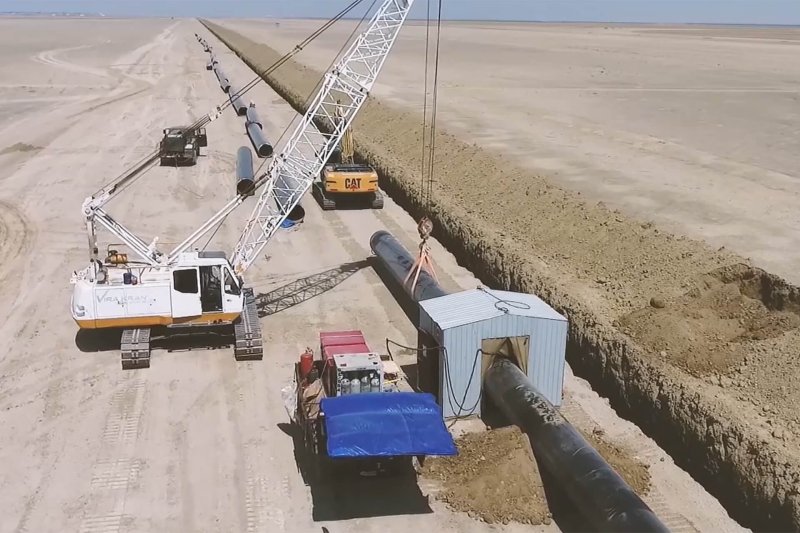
[434,101]
[130,174]
[425,226]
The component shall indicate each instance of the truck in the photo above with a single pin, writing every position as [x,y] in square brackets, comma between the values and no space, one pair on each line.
[353,418]
[181,145]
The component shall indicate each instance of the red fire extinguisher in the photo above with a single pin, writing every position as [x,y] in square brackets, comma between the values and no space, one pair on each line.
[306,362]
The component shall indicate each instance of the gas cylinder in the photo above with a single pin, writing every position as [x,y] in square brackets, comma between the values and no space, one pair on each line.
[375,384]
[355,386]
[306,363]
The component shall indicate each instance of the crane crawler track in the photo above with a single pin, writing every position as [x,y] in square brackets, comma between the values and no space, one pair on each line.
[247,331]
[135,348]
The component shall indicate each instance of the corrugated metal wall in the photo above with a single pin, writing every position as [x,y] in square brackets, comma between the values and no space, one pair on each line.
[545,360]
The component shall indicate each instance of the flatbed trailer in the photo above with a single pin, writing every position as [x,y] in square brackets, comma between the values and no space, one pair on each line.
[372,433]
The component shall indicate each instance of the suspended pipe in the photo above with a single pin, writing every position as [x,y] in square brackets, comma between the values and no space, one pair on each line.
[398,262]
[597,490]
[245,179]
[262,146]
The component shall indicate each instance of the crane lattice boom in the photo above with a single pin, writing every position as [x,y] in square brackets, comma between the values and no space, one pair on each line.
[345,88]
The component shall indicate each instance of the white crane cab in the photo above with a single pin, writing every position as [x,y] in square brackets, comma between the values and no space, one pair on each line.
[199,289]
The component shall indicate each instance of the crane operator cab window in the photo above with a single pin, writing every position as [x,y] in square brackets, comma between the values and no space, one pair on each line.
[231,287]
[211,288]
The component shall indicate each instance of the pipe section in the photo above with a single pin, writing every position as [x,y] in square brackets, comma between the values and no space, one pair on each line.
[262,146]
[601,494]
[236,102]
[252,116]
[245,178]
[223,79]
[398,262]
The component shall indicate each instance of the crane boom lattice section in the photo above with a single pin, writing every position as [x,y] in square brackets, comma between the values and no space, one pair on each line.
[345,88]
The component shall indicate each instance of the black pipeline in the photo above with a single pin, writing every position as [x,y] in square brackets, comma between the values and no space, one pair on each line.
[255,130]
[245,178]
[602,495]
[597,490]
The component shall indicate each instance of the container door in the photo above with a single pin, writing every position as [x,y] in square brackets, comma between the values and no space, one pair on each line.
[186,293]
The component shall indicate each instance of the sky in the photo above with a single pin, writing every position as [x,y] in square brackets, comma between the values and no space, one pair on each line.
[655,11]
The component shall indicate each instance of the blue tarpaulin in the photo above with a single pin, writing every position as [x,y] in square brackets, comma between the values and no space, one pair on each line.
[384,424]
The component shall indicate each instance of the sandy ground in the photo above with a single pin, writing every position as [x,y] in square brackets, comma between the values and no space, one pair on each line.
[694,129]
[197,442]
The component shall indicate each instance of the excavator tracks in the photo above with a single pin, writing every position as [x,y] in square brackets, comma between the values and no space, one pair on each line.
[247,331]
[325,202]
[135,348]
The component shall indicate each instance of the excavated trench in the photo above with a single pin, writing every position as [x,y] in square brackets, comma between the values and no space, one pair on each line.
[693,345]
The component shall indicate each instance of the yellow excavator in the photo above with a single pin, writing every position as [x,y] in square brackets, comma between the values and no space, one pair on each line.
[347,182]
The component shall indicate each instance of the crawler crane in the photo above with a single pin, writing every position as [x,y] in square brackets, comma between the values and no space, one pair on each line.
[194,289]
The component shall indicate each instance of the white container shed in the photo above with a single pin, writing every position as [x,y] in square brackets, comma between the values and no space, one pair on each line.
[461,331]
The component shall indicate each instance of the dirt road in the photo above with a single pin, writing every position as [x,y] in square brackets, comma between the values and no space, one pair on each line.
[197,442]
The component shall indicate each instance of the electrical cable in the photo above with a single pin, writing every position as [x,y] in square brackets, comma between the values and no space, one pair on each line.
[500,301]
[451,397]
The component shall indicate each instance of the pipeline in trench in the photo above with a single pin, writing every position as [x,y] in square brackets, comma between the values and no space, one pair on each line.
[601,495]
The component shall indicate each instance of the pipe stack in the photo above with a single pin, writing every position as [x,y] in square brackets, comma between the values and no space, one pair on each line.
[601,495]
[255,130]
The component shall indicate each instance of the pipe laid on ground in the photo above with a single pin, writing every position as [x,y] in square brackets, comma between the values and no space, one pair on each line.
[223,79]
[252,116]
[262,146]
[245,177]
[236,101]
[398,262]
[597,490]
[601,494]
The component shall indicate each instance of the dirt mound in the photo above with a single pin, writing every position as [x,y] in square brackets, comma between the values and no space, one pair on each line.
[712,327]
[19,147]
[495,477]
